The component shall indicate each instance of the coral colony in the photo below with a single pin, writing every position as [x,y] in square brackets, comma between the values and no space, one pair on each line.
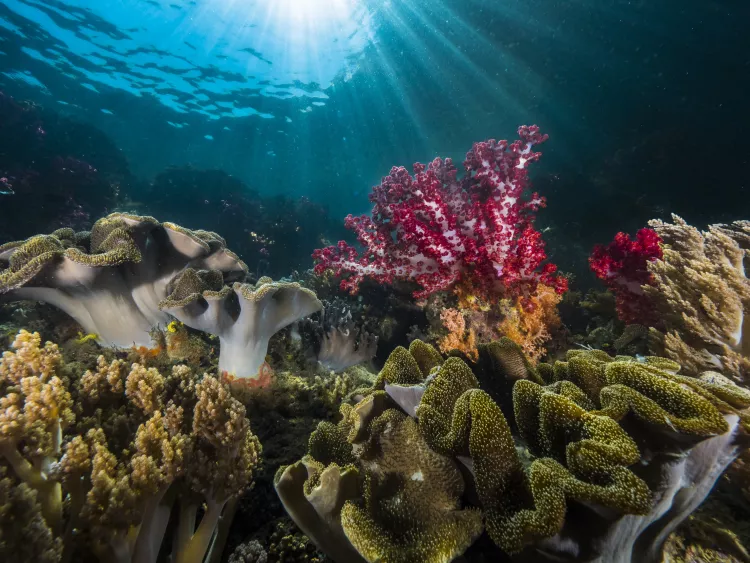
[622,266]
[439,231]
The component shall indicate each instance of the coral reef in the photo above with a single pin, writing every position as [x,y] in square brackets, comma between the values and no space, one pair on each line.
[702,294]
[592,458]
[112,279]
[95,462]
[531,321]
[243,317]
[438,231]
[250,552]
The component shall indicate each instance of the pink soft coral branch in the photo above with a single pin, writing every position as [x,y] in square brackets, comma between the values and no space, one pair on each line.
[438,230]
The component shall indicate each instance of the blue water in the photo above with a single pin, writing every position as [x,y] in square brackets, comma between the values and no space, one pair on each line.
[645,102]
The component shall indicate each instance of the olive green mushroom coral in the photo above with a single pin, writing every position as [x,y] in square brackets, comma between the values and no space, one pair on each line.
[112,279]
[405,505]
[592,459]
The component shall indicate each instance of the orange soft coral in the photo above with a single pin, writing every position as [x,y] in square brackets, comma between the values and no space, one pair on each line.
[530,323]
[458,337]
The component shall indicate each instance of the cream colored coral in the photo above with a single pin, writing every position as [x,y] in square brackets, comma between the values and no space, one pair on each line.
[144,387]
[108,378]
[35,408]
[703,294]
[458,337]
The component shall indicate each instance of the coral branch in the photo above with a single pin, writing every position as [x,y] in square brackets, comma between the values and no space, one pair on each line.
[436,229]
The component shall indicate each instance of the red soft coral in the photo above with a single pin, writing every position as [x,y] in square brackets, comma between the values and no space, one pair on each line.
[622,265]
[437,230]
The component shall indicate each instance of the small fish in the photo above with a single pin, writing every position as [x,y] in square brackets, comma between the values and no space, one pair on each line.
[83,338]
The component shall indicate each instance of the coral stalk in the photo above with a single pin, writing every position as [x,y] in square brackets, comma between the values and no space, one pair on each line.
[193,545]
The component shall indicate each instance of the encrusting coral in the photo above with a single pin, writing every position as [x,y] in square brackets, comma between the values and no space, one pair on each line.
[244,317]
[101,474]
[590,459]
[112,279]
[702,293]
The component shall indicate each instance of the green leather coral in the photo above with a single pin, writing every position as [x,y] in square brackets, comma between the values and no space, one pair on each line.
[553,453]
[410,509]
[579,451]
[408,503]
[652,391]
[404,368]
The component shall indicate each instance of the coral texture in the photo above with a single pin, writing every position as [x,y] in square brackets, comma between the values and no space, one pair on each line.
[243,316]
[702,294]
[458,337]
[437,230]
[133,444]
[530,323]
[112,279]
[591,458]
[623,266]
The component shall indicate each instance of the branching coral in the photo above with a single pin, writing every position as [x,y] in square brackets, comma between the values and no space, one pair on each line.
[530,322]
[458,337]
[702,294]
[437,230]
[623,266]
[594,459]
[243,316]
[225,454]
[140,441]
[35,409]
[112,279]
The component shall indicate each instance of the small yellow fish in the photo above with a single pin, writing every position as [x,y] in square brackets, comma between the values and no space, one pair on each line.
[174,326]
[85,338]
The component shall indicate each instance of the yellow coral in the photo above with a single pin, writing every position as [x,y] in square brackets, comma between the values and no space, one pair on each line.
[35,409]
[469,298]
[144,387]
[83,338]
[109,378]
